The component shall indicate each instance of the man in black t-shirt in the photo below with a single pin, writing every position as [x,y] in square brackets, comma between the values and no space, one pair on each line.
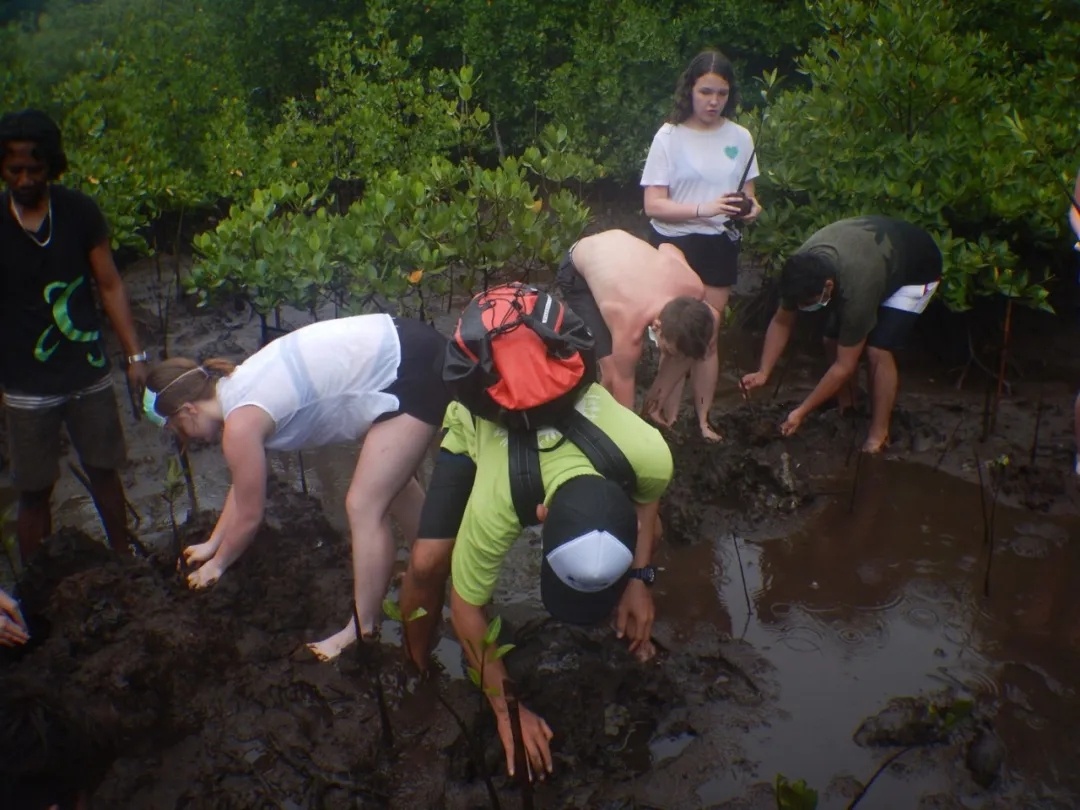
[53,245]
[878,274]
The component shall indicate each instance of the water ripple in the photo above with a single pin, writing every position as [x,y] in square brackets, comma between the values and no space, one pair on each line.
[802,639]
[921,616]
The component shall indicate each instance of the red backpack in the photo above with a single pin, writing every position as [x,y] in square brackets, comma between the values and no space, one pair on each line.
[519,357]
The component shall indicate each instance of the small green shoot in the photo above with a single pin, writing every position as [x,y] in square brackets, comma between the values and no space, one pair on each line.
[393,612]
[794,795]
[488,649]
[953,714]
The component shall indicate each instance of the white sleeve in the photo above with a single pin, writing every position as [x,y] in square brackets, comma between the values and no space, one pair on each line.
[657,170]
[753,173]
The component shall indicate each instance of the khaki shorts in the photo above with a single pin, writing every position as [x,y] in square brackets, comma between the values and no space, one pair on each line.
[93,423]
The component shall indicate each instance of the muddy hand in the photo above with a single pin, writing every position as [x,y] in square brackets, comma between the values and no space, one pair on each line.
[136,380]
[13,629]
[205,576]
[199,553]
[792,423]
[535,734]
[751,381]
[635,614]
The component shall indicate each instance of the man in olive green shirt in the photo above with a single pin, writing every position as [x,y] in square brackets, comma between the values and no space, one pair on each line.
[597,541]
[878,274]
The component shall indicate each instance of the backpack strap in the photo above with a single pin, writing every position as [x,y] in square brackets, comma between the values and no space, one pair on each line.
[544,319]
[526,483]
[602,452]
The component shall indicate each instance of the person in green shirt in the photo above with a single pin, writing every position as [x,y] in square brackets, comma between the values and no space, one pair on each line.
[876,275]
[597,541]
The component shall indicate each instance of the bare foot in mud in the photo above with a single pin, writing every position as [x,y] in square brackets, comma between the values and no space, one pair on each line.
[710,435]
[874,446]
[205,576]
[657,417]
[330,648]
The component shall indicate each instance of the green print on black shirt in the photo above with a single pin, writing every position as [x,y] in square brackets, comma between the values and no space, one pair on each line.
[95,357]
[50,330]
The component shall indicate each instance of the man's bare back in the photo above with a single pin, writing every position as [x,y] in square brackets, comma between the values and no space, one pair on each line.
[630,285]
[632,281]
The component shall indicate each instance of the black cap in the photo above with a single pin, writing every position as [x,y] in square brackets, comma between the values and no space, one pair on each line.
[589,538]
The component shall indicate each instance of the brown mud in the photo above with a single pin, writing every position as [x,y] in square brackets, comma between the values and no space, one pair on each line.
[807,591]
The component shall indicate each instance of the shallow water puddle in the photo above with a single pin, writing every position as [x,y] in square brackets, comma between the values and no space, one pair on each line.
[887,600]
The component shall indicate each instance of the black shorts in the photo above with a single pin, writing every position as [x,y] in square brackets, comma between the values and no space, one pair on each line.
[714,257]
[891,332]
[577,295]
[447,496]
[419,386]
[92,420]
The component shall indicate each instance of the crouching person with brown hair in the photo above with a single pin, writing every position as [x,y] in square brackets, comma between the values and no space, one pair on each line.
[370,377]
[625,289]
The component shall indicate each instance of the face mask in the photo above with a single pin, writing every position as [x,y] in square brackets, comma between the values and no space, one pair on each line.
[149,400]
[821,304]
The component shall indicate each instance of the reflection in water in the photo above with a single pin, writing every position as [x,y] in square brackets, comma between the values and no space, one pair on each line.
[886,600]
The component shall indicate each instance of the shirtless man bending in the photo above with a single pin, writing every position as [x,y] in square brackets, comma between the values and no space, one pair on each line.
[622,286]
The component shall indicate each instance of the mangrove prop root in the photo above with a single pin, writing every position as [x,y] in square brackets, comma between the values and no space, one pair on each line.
[1038,422]
[367,655]
[855,482]
[742,574]
[1004,358]
[889,760]
[472,742]
[949,441]
[133,541]
[521,761]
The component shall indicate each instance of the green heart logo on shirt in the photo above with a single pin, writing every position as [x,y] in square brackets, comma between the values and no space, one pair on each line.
[731,151]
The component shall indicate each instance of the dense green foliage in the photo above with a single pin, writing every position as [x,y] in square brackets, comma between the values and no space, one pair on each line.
[910,113]
[365,150]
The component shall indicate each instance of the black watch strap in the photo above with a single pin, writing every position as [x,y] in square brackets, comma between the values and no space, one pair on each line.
[646,574]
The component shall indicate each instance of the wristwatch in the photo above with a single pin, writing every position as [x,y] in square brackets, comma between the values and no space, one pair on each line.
[136,358]
[646,574]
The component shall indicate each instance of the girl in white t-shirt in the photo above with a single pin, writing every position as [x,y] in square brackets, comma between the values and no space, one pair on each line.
[692,195]
[369,377]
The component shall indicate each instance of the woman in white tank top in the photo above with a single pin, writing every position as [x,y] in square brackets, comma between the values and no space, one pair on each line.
[369,377]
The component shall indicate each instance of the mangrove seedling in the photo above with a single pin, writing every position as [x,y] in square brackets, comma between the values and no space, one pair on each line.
[996,469]
[392,610]
[365,653]
[170,491]
[521,762]
[489,646]
[950,716]
[794,795]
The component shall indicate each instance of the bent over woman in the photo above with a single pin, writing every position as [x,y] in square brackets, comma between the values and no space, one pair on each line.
[370,377]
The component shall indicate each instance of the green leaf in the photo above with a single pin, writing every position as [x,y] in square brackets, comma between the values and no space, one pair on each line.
[391,609]
[492,634]
[502,650]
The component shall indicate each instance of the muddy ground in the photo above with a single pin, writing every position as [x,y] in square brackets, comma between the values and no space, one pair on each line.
[156,697]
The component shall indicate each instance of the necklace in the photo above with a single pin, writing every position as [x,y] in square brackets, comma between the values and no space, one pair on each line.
[29,233]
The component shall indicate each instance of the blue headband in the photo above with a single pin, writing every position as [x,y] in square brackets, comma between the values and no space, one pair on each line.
[150,398]
[149,403]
